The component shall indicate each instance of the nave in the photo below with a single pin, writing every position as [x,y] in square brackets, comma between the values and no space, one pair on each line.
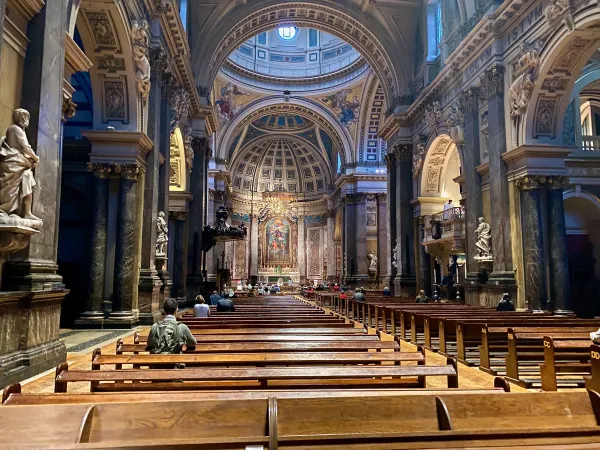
[319,372]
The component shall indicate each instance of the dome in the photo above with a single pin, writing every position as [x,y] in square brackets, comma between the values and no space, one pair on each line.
[282,122]
[292,56]
[280,163]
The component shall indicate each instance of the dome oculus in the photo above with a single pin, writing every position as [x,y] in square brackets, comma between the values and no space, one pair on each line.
[287,32]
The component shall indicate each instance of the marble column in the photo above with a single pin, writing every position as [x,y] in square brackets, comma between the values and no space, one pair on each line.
[196,220]
[254,230]
[492,89]
[405,280]
[391,218]
[534,257]
[360,238]
[349,240]
[331,261]
[123,303]
[149,282]
[560,281]
[94,313]
[301,249]
[424,264]
[180,250]
[470,159]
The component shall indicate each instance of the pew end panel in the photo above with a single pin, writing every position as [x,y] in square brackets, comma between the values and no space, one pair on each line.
[10,389]
[60,386]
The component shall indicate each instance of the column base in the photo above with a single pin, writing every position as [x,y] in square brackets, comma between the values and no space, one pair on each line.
[32,275]
[502,278]
[404,286]
[149,296]
[122,319]
[90,319]
[487,295]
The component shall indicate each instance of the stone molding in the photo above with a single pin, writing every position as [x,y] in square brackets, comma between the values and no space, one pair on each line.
[119,148]
[127,171]
[539,181]
[536,160]
[403,152]
[179,204]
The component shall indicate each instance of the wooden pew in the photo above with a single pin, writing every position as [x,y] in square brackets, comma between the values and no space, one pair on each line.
[256,377]
[567,358]
[592,382]
[258,359]
[463,421]
[303,346]
[283,337]
[328,331]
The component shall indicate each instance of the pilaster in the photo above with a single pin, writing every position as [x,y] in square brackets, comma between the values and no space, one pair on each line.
[178,213]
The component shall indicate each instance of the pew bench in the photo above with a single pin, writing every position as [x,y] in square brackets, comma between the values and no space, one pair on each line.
[257,377]
[303,346]
[283,337]
[566,362]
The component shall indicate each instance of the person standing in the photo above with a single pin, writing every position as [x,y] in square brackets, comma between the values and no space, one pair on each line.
[447,207]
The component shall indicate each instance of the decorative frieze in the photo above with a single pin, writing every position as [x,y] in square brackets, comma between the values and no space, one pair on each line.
[103,170]
[492,82]
[433,115]
[158,63]
[179,100]
[538,181]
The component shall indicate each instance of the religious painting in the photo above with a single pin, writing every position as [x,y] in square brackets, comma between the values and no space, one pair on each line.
[278,239]
[371,220]
[228,104]
[346,105]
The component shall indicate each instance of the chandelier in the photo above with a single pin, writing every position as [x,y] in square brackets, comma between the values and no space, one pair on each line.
[278,200]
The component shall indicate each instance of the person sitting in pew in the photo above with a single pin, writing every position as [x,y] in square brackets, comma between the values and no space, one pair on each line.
[201,309]
[214,298]
[359,295]
[168,335]
[387,292]
[505,304]
[422,298]
[225,305]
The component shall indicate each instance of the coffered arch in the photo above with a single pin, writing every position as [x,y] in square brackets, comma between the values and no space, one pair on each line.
[298,106]
[364,28]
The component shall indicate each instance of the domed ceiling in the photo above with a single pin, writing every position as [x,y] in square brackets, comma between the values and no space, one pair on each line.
[281,163]
[294,56]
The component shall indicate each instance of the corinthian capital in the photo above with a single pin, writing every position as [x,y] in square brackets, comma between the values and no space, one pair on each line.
[492,81]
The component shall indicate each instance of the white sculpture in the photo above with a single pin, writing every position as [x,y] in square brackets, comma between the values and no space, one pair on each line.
[455,123]
[162,236]
[373,262]
[141,45]
[525,71]
[395,254]
[484,241]
[418,157]
[17,159]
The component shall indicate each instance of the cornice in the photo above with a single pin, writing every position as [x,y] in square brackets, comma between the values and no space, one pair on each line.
[391,125]
[25,8]
[75,58]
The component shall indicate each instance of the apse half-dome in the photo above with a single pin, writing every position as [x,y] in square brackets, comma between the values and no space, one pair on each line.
[281,163]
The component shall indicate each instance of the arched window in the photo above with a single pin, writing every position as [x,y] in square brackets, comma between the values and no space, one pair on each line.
[434,29]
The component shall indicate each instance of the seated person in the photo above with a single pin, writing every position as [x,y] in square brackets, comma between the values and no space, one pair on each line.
[422,298]
[231,294]
[505,304]
[201,309]
[214,298]
[249,287]
[225,305]
[359,295]
[260,291]
[336,288]
[387,292]
[168,335]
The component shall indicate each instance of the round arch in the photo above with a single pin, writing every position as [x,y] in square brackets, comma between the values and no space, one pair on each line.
[562,58]
[234,27]
[441,165]
[299,106]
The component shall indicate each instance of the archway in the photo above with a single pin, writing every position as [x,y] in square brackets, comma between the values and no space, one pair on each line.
[360,27]
[582,219]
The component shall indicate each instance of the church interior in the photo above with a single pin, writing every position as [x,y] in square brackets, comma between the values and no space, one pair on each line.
[401,199]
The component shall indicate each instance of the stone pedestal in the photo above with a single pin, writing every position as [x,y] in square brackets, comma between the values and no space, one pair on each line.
[163,275]
[149,296]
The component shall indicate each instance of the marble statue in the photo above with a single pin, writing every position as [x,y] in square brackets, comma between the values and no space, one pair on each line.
[141,45]
[484,241]
[162,236]
[17,159]
[395,254]
[418,157]
[373,262]
[525,71]
[555,10]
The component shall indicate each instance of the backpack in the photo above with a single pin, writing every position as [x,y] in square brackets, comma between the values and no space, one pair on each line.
[166,338]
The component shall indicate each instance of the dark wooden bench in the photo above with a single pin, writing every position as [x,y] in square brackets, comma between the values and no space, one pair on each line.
[282,337]
[256,377]
[250,331]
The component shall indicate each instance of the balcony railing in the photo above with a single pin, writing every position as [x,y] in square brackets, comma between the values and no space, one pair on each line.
[590,143]
[448,225]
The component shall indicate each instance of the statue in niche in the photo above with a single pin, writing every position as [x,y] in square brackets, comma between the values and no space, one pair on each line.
[141,45]
[484,241]
[525,70]
[395,254]
[17,159]
[372,263]
[162,236]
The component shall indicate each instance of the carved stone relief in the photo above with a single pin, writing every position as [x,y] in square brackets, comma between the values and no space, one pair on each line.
[570,56]
[455,124]
[314,260]
[141,45]
[559,10]
[419,156]
[545,116]
[110,63]
[180,104]
[102,30]
[433,115]
[115,99]
[525,71]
